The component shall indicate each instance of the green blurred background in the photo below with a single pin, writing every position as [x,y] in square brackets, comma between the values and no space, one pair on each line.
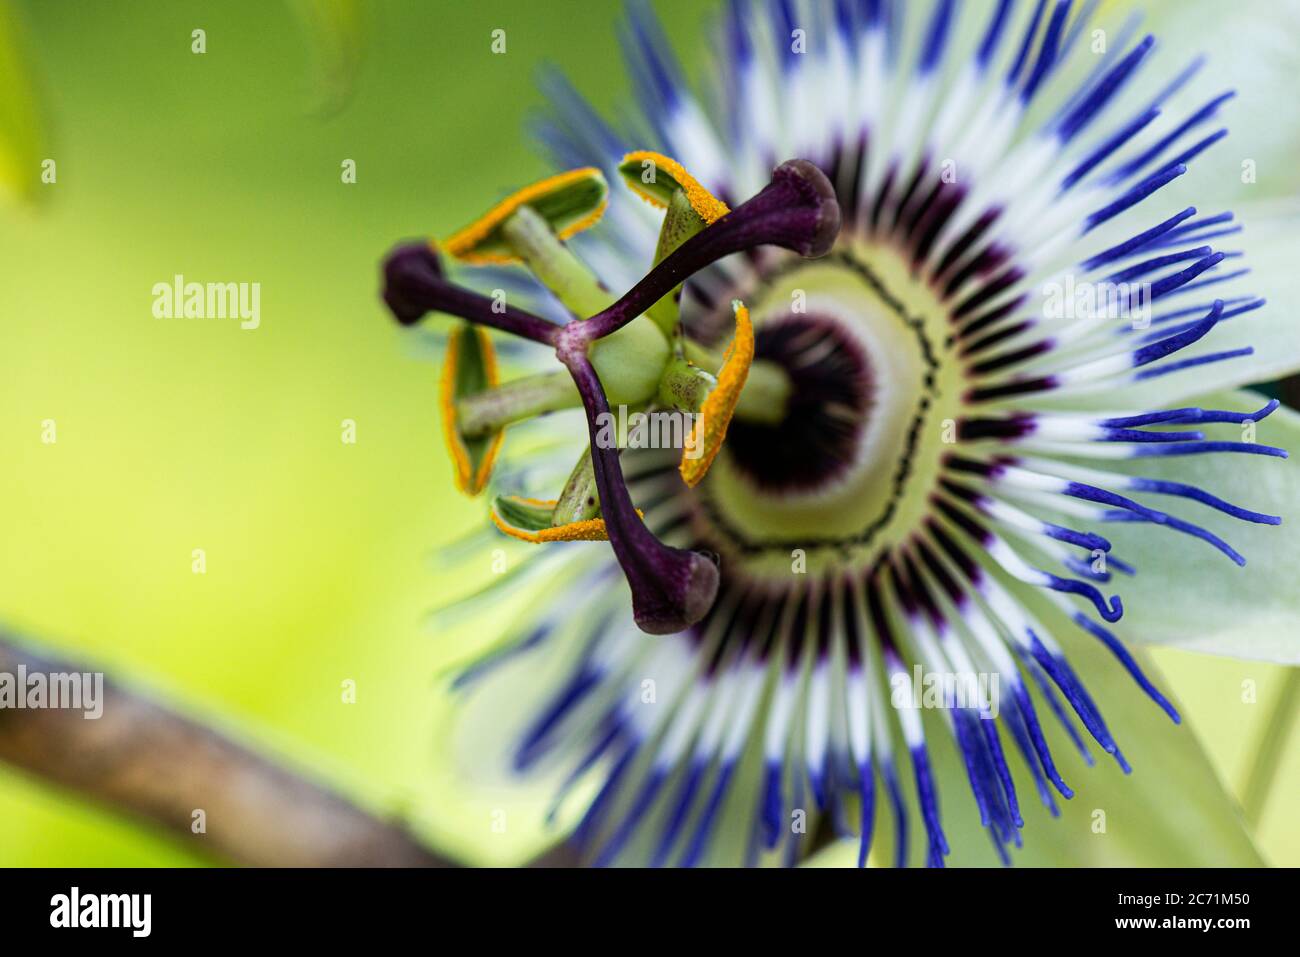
[174,435]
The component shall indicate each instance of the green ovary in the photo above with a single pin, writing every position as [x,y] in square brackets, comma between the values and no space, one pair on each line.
[631,362]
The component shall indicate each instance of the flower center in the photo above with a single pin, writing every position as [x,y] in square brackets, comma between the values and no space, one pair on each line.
[832,386]
[874,376]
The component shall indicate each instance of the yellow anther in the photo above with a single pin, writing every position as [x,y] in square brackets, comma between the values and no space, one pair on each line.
[589,530]
[473,459]
[711,427]
[707,206]
[570,202]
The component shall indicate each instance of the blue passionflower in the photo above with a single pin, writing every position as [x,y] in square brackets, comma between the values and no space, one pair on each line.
[939,350]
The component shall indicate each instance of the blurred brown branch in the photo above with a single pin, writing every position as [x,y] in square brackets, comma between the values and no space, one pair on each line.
[154,763]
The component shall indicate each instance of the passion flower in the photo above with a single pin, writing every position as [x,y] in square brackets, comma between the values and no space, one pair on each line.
[916,430]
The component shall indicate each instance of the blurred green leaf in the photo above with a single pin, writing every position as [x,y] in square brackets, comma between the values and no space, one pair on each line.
[336,31]
[22,135]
